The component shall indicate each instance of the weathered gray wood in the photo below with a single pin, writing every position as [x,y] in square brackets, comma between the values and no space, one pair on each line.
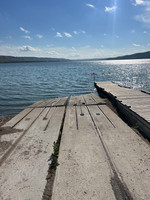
[96,147]
[144,102]
[134,104]
[88,99]
[47,103]
[83,172]
[50,103]
[27,121]
[120,92]
[18,117]
[23,174]
[129,153]
[62,102]
[38,104]
[97,99]
[76,101]
[92,99]
[11,136]
[7,140]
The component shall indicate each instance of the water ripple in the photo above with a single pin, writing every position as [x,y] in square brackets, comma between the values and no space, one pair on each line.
[22,84]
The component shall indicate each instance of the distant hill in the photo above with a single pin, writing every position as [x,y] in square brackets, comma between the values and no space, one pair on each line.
[144,55]
[12,59]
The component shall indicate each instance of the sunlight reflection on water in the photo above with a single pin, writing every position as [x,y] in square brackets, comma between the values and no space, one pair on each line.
[22,84]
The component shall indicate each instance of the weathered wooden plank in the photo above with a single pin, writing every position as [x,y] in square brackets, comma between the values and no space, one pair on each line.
[76,101]
[23,175]
[80,100]
[88,99]
[46,103]
[131,103]
[134,98]
[27,121]
[97,99]
[83,172]
[137,101]
[37,104]
[92,99]
[72,101]
[96,145]
[10,137]
[129,153]
[142,110]
[120,92]
[62,102]
[50,102]
[18,117]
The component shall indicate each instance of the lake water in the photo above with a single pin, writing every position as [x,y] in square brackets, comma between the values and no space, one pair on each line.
[22,84]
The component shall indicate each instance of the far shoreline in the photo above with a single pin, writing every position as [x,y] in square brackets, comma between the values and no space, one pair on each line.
[16,59]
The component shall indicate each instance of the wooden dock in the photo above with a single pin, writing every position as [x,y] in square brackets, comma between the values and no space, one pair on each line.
[100,157]
[134,105]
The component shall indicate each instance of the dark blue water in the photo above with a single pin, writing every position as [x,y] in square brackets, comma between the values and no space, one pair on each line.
[22,84]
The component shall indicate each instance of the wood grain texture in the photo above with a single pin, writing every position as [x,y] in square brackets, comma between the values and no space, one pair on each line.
[135,101]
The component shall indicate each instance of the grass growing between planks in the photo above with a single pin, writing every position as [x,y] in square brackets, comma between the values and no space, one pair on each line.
[52,170]
[54,156]
[48,191]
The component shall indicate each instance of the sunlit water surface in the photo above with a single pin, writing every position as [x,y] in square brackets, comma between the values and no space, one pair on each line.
[22,84]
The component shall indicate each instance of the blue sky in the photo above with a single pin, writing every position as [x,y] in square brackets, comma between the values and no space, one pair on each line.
[74,29]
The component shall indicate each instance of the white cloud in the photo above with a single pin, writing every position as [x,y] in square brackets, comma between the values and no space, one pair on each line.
[24,30]
[74,52]
[76,32]
[12,50]
[27,37]
[67,34]
[110,9]
[79,32]
[8,50]
[136,45]
[90,5]
[139,2]
[144,17]
[53,53]
[145,32]
[59,35]
[144,3]
[74,55]
[39,36]
[27,48]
